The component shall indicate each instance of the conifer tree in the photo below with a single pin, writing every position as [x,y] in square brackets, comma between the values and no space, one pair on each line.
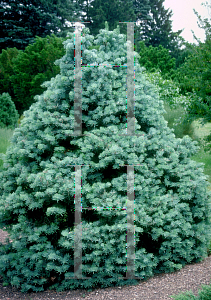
[21,21]
[158,30]
[8,113]
[37,188]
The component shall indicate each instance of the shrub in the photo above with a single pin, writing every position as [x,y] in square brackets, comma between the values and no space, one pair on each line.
[8,113]
[156,58]
[169,92]
[203,294]
[38,180]
[25,71]
[7,70]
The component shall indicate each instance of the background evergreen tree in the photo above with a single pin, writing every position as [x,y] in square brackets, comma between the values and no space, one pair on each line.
[7,70]
[172,204]
[141,10]
[32,67]
[21,21]
[8,113]
[158,30]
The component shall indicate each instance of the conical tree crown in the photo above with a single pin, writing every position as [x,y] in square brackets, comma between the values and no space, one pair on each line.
[38,181]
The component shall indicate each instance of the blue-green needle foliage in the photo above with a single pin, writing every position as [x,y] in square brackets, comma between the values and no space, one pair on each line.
[38,180]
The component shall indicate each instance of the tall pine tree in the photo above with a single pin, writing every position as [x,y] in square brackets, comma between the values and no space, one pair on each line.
[38,182]
[21,21]
[158,30]
[141,10]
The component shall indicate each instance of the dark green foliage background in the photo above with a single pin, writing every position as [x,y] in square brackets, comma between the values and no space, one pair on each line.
[21,21]
[157,59]
[194,77]
[23,72]
[172,209]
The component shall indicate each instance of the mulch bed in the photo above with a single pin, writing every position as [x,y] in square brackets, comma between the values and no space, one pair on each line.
[12,293]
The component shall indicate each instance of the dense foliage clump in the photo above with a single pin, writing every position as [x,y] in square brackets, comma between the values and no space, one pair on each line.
[23,72]
[37,189]
[8,113]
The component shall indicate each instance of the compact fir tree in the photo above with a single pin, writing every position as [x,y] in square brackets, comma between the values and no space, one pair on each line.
[37,188]
[8,113]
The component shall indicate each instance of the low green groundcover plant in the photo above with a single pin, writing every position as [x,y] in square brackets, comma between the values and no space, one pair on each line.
[203,294]
[37,208]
